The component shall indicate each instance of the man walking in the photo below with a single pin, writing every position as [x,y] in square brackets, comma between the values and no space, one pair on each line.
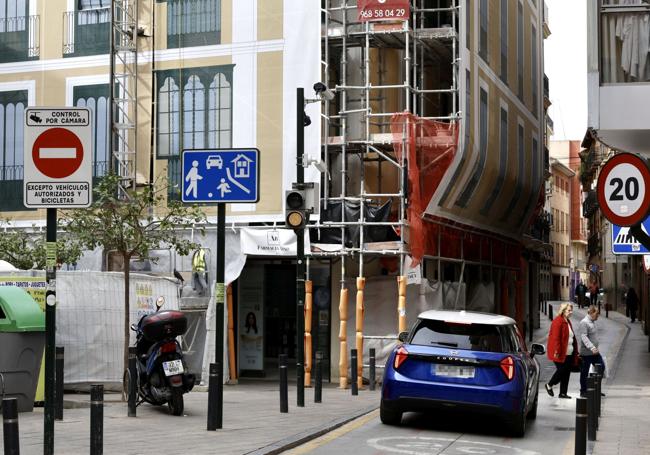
[631,301]
[581,291]
[589,346]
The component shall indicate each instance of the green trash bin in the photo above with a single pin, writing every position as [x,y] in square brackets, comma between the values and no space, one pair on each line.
[22,338]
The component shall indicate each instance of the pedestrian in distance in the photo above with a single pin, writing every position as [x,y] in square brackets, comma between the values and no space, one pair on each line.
[199,279]
[589,351]
[631,301]
[562,350]
[593,293]
[581,291]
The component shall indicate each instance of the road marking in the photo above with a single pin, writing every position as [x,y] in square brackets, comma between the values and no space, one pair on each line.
[420,445]
[332,435]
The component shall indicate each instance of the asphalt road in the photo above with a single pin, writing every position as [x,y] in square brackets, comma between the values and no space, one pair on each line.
[552,433]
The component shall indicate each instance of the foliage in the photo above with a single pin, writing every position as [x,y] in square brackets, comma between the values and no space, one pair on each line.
[133,226]
[26,250]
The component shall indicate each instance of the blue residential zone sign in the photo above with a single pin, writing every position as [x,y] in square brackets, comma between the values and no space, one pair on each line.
[623,242]
[220,175]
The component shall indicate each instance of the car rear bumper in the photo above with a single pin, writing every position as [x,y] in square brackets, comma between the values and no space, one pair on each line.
[404,394]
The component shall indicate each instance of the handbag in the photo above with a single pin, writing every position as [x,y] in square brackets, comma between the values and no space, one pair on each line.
[577,364]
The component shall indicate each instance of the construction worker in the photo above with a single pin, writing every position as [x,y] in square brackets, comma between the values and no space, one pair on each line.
[199,283]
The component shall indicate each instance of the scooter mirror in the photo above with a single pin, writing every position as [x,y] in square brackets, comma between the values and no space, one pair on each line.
[134,327]
[160,301]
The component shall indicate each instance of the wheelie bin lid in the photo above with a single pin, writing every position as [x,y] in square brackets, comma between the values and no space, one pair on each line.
[19,312]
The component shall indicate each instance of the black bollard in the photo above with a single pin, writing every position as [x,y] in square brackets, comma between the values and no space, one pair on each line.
[10,426]
[591,409]
[354,387]
[284,391]
[597,397]
[607,310]
[213,405]
[96,419]
[550,312]
[371,369]
[58,377]
[581,426]
[318,386]
[133,382]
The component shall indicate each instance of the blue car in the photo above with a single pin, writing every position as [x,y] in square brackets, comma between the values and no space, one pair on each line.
[468,361]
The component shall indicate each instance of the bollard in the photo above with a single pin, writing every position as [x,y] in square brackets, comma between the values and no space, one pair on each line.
[213,404]
[581,426]
[599,383]
[10,426]
[371,369]
[58,377]
[354,387]
[591,409]
[318,385]
[550,312]
[96,419]
[133,382]
[597,379]
[607,310]
[284,392]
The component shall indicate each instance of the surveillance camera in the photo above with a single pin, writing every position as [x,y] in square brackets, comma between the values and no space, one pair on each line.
[323,92]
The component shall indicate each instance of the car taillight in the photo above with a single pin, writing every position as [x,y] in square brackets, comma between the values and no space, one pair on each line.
[508,367]
[168,347]
[400,357]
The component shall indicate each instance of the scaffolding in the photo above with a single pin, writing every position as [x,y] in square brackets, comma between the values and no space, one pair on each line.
[380,70]
[123,92]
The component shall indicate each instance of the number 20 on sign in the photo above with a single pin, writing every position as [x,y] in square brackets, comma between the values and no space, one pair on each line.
[622,189]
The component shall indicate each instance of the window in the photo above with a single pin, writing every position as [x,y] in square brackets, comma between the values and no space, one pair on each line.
[95,97]
[193,23]
[475,337]
[520,50]
[504,41]
[86,30]
[483,35]
[194,111]
[503,162]
[479,164]
[14,28]
[468,14]
[12,118]
[535,78]
[520,173]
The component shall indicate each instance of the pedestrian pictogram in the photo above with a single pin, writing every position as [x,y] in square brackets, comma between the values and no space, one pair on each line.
[57,157]
[220,175]
[622,189]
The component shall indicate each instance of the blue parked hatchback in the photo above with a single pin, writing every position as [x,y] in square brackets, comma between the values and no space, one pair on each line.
[466,361]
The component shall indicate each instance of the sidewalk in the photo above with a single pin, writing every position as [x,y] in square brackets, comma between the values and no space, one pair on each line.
[625,420]
[252,423]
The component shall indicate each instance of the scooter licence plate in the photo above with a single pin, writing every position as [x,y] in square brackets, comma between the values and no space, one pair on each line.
[173,367]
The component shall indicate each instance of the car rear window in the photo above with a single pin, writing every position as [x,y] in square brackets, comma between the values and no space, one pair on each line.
[475,337]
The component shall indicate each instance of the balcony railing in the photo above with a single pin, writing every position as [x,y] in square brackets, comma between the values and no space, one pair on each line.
[621,42]
[546,89]
[19,38]
[590,205]
[86,32]
[11,188]
[193,23]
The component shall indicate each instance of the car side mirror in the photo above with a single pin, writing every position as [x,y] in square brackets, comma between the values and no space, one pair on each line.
[403,336]
[537,349]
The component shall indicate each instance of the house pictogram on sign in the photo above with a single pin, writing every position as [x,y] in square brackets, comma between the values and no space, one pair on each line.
[242,166]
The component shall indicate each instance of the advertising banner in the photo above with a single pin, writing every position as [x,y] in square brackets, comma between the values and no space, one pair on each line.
[35,286]
[271,242]
[251,320]
[383,10]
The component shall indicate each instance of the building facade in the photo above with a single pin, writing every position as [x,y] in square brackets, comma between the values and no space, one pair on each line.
[561,176]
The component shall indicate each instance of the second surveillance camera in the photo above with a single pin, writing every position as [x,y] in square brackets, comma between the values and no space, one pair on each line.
[323,92]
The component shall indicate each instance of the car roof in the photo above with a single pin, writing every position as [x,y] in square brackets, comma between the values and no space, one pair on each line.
[466,317]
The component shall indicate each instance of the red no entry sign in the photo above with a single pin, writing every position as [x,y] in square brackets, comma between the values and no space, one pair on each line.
[57,153]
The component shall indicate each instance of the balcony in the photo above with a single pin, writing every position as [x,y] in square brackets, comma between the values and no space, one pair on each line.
[619,74]
[547,98]
[193,23]
[590,205]
[11,189]
[19,39]
[593,244]
[86,32]
[547,30]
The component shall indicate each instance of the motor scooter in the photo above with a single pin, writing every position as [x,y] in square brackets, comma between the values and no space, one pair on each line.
[162,374]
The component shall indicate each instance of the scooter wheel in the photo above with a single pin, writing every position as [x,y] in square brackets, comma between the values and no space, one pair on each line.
[175,403]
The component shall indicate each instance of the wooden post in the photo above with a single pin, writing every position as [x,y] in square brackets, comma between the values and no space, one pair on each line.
[308,340]
[401,304]
[232,366]
[343,338]
[361,284]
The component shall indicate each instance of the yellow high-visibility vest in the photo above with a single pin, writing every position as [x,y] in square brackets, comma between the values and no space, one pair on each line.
[198,261]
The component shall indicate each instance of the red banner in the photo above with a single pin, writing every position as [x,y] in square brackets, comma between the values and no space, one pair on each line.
[383,10]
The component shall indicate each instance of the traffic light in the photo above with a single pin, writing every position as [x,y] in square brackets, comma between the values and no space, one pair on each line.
[295,209]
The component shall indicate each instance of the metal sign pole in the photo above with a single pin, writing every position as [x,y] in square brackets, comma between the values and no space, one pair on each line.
[50,331]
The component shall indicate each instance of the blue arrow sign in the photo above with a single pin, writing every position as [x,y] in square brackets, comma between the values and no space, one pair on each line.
[221,175]
[623,242]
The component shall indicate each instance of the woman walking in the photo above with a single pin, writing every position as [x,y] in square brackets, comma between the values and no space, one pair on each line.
[562,349]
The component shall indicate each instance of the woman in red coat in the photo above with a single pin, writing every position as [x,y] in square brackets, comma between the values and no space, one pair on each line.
[562,349]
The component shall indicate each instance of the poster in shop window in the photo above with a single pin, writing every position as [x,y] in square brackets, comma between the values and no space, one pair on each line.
[251,320]
[383,10]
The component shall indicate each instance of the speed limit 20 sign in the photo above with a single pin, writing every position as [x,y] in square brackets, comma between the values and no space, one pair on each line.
[622,189]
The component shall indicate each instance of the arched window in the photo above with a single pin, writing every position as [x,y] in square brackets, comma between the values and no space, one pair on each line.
[12,119]
[95,97]
[219,113]
[193,114]
[168,118]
